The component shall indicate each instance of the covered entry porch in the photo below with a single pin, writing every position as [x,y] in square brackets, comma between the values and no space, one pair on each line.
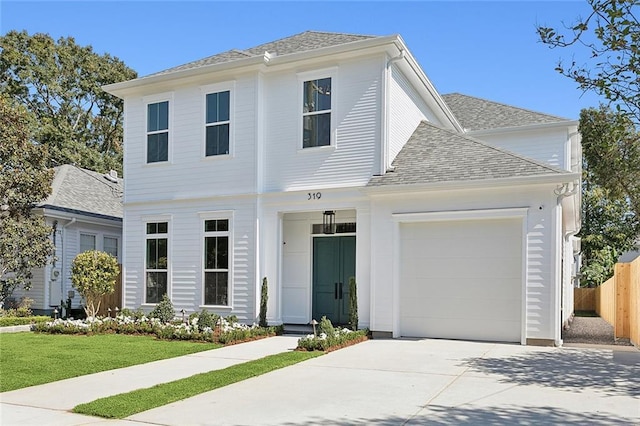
[318,259]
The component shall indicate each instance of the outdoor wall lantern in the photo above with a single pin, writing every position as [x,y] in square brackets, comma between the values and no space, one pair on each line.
[329,222]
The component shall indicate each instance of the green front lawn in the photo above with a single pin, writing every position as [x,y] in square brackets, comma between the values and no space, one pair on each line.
[127,404]
[28,359]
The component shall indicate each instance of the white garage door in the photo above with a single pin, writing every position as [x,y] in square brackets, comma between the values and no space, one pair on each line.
[461,279]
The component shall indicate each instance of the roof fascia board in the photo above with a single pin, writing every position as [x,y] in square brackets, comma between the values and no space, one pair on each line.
[85,217]
[429,92]
[133,86]
[487,183]
[529,127]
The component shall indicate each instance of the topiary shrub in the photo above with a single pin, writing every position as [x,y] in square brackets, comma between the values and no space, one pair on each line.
[164,310]
[93,274]
[353,304]
[264,297]
[207,320]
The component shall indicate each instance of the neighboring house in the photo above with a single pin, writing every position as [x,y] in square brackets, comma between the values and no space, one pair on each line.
[85,211]
[323,156]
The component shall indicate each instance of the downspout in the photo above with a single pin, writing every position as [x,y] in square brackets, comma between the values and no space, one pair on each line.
[62,263]
[562,193]
[384,155]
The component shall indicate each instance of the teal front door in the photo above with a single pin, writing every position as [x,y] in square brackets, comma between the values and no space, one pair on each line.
[334,262]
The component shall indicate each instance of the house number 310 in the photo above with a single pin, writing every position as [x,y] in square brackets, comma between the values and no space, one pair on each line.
[314,195]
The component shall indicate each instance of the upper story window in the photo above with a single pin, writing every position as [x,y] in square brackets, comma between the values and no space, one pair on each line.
[218,106]
[316,113]
[158,132]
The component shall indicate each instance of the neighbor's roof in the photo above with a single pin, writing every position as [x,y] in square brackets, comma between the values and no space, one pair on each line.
[436,155]
[481,114]
[303,42]
[84,192]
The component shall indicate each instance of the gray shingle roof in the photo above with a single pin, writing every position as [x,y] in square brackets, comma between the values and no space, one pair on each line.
[84,192]
[308,40]
[436,155]
[481,114]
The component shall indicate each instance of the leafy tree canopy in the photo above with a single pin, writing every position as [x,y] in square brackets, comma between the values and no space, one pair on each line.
[24,181]
[59,83]
[609,37]
[607,41]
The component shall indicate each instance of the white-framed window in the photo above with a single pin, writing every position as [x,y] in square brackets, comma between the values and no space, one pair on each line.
[158,132]
[87,242]
[316,112]
[156,261]
[217,261]
[217,123]
[110,245]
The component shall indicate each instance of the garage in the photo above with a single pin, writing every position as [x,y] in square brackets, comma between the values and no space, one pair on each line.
[462,279]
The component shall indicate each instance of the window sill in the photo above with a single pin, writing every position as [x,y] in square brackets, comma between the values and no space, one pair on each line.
[217,157]
[157,164]
[317,149]
[225,307]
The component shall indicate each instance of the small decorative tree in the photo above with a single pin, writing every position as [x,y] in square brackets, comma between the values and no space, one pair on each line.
[264,297]
[164,310]
[353,304]
[93,274]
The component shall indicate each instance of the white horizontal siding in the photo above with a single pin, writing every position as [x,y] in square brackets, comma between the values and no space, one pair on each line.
[187,164]
[185,254]
[357,91]
[547,146]
[406,110]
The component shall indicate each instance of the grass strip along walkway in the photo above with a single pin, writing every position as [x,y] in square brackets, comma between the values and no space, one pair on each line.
[127,404]
[29,359]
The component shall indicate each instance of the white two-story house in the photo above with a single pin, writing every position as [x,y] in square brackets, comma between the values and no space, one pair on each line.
[320,157]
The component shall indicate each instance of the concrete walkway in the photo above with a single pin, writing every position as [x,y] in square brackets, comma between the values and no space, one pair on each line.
[48,403]
[394,382]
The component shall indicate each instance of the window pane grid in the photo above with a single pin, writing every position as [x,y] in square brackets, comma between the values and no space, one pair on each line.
[157,134]
[217,123]
[316,113]
[156,262]
[216,262]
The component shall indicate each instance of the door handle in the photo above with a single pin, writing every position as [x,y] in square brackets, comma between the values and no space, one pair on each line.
[340,291]
[335,290]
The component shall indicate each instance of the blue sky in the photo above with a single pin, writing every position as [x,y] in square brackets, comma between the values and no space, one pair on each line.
[479,48]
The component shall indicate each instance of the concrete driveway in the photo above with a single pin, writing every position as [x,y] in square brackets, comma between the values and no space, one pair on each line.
[428,382]
[434,382]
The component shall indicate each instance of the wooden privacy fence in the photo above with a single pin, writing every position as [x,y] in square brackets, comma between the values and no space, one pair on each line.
[616,300]
[112,300]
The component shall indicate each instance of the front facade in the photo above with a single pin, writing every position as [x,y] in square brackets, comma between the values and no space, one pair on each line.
[322,157]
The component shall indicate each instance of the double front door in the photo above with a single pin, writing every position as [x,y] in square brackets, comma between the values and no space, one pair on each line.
[334,262]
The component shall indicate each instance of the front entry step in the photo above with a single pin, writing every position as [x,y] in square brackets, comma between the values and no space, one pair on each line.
[298,329]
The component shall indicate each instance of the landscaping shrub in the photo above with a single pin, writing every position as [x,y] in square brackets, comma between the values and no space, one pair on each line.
[164,310]
[7,321]
[93,274]
[264,298]
[206,321]
[330,337]
[353,304]
[201,327]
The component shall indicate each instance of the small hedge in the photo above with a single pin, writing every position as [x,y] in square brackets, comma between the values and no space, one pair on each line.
[7,321]
[203,327]
[330,338]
